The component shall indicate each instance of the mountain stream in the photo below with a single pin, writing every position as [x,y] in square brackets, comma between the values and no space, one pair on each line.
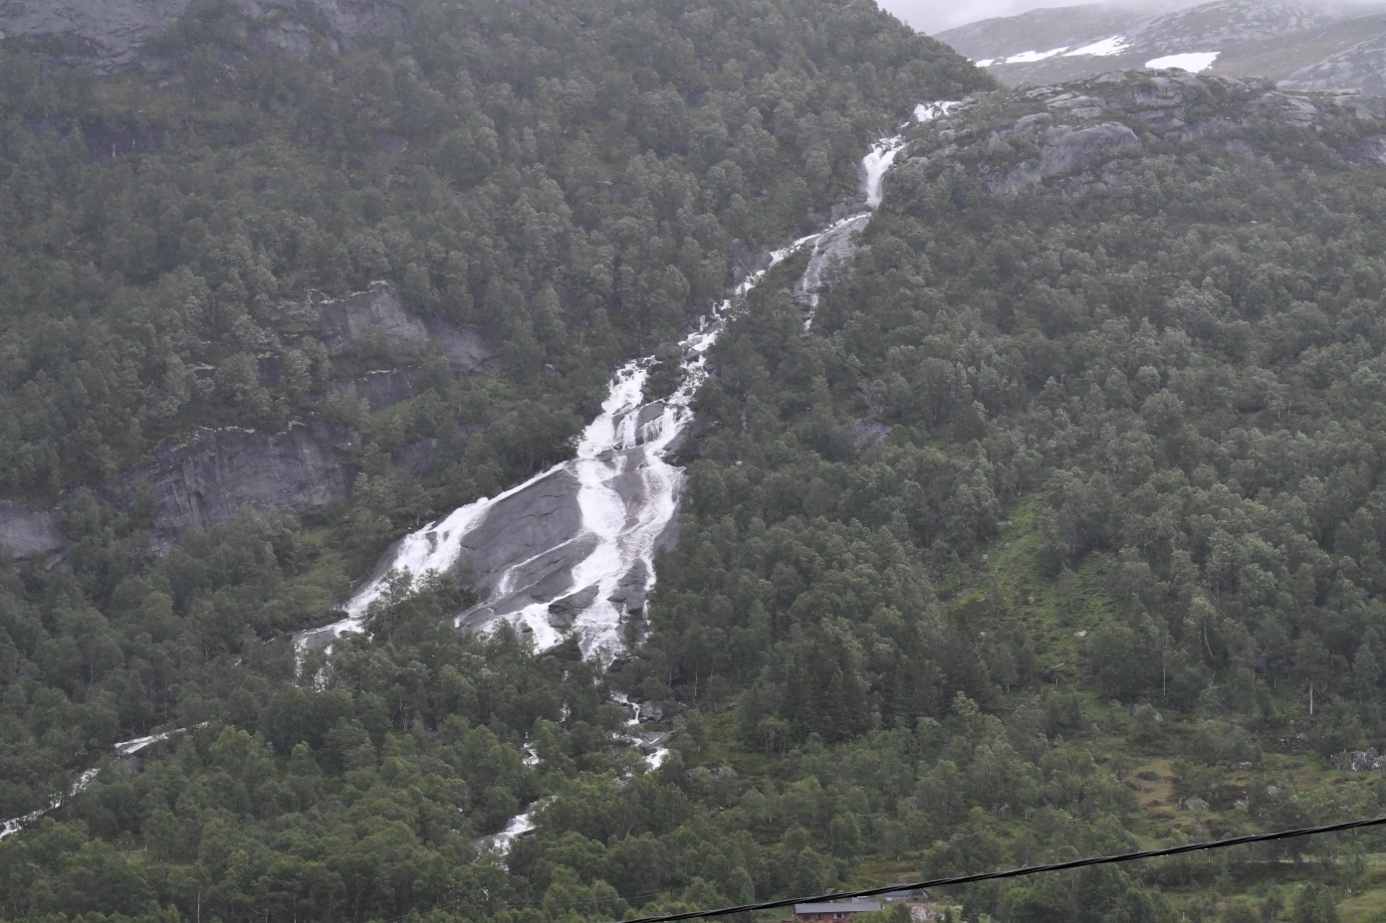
[571,550]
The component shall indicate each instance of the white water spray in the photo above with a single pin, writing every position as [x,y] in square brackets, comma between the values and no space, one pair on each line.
[627,492]
[124,748]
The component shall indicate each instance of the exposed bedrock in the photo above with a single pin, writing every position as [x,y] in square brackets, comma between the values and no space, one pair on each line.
[377,315]
[28,533]
[1063,149]
[218,474]
[109,34]
[1088,136]
[381,389]
[526,547]
[836,246]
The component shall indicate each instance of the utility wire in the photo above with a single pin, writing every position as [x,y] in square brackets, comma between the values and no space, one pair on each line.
[1019,873]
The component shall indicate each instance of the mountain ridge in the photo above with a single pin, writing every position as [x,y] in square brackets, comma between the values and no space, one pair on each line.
[1302,46]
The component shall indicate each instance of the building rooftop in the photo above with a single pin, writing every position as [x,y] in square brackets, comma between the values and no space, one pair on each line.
[842,907]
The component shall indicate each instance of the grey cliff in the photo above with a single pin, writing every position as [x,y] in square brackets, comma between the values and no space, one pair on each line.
[109,34]
[378,316]
[218,474]
[1087,136]
[28,533]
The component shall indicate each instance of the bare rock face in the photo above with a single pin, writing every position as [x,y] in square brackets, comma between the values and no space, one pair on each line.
[1305,46]
[530,538]
[28,534]
[378,313]
[467,350]
[109,34]
[1360,761]
[1089,136]
[381,389]
[349,321]
[105,31]
[218,474]
[1066,148]
[836,246]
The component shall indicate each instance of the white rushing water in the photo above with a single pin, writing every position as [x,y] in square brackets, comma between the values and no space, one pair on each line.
[627,490]
[16,824]
[835,241]
[519,825]
[627,495]
[124,748]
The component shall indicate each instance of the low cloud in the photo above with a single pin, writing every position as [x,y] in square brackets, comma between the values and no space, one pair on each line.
[937,15]
[932,16]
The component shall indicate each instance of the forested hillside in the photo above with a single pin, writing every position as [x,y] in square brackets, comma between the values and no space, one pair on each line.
[1061,534]
[571,181]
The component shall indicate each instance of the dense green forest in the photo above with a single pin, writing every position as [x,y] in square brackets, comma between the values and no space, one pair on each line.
[567,178]
[1067,512]
[1060,534]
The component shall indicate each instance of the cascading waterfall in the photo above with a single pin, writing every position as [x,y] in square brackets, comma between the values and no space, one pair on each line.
[835,241]
[586,579]
[122,749]
[625,490]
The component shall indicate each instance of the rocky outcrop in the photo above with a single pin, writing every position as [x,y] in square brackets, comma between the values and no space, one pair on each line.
[1065,148]
[1360,761]
[1360,67]
[466,349]
[533,538]
[377,318]
[29,534]
[382,389]
[419,458]
[837,246]
[109,34]
[218,474]
[1306,46]
[349,322]
[1088,136]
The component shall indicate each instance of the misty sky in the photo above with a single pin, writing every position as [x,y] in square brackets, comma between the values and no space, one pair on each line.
[937,15]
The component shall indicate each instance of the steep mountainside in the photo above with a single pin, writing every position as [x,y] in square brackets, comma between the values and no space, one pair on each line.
[367,281]
[1061,533]
[109,35]
[1303,45]
[1028,471]
[551,185]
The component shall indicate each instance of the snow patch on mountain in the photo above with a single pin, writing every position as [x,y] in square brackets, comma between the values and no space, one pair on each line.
[1031,57]
[1194,62]
[1103,49]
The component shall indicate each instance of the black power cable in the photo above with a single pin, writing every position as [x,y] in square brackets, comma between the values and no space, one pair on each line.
[1020,873]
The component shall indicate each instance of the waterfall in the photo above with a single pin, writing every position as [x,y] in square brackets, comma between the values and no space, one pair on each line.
[620,494]
[626,493]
